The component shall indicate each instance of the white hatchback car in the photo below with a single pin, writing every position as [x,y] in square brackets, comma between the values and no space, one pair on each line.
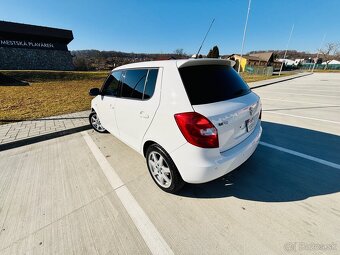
[194,120]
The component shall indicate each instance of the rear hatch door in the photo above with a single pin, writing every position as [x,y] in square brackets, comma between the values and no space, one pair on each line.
[219,93]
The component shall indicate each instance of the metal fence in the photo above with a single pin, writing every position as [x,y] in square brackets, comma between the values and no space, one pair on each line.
[320,66]
[260,70]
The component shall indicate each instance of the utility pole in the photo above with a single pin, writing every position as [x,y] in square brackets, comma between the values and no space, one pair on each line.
[317,55]
[284,57]
[244,36]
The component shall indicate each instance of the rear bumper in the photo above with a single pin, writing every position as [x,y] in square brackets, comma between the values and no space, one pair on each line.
[198,165]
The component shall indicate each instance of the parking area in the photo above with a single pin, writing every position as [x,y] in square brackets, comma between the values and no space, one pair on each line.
[89,193]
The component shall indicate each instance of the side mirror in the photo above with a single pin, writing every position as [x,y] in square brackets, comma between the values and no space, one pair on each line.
[94,92]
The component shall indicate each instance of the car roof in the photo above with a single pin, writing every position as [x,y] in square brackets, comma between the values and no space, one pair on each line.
[178,63]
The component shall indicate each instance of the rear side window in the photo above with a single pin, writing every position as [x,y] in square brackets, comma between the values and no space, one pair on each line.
[134,82]
[207,84]
[112,84]
[150,83]
[139,83]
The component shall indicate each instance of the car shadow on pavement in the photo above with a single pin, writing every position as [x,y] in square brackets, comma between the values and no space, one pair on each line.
[274,176]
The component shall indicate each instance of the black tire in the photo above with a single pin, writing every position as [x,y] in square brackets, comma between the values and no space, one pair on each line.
[100,128]
[176,180]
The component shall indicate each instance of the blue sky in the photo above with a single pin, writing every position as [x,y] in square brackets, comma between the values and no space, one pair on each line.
[166,25]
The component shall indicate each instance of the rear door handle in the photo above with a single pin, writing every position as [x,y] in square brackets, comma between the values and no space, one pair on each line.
[143,114]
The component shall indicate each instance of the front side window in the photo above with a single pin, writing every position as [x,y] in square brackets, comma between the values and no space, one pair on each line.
[112,84]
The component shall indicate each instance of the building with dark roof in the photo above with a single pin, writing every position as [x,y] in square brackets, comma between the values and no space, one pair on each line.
[29,47]
[255,60]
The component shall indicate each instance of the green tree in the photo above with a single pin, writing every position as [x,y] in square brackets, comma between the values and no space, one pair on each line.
[209,54]
[214,52]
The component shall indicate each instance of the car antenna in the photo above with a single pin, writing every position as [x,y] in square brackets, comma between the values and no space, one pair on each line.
[198,52]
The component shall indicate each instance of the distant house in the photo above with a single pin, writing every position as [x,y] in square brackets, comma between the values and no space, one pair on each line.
[332,62]
[310,60]
[317,60]
[257,59]
[265,56]
[299,61]
[287,62]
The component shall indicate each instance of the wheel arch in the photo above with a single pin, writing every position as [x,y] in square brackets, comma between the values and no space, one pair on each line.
[146,145]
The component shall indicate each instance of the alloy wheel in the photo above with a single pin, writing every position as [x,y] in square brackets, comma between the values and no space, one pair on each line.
[95,122]
[160,169]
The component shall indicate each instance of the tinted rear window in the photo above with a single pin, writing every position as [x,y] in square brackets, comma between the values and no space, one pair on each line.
[207,84]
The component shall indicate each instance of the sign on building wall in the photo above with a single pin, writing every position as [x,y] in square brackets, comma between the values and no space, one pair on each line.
[32,44]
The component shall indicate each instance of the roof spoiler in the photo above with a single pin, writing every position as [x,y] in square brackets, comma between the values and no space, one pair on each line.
[205,61]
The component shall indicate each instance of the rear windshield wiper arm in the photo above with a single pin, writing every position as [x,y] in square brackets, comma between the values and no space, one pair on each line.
[240,92]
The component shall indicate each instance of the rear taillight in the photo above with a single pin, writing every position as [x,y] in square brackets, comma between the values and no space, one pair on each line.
[197,129]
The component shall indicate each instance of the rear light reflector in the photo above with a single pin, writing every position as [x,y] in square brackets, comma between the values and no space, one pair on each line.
[197,129]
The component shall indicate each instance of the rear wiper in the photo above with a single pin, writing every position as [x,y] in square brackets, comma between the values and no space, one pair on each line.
[241,91]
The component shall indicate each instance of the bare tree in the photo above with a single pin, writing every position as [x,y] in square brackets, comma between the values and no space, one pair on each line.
[329,52]
[179,52]
[80,63]
[337,54]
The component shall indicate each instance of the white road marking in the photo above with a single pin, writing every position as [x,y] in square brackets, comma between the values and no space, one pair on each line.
[302,155]
[279,89]
[302,117]
[298,94]
[300,102]
[148,231]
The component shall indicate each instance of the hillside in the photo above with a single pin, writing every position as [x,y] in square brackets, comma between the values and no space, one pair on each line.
[86,60]
[293,54]
[94,60]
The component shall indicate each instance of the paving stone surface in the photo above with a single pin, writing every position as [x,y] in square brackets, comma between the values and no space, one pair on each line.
[17,131]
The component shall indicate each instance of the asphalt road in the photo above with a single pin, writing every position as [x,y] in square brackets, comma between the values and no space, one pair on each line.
[89,193]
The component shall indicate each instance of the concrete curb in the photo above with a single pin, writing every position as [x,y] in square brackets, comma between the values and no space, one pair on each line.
[253,85]
[36,139]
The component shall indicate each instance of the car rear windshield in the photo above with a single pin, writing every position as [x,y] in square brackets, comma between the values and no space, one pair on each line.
[207,84]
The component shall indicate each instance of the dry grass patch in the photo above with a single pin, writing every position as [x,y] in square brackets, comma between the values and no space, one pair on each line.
[326,71]
[255,77]
[47,96]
